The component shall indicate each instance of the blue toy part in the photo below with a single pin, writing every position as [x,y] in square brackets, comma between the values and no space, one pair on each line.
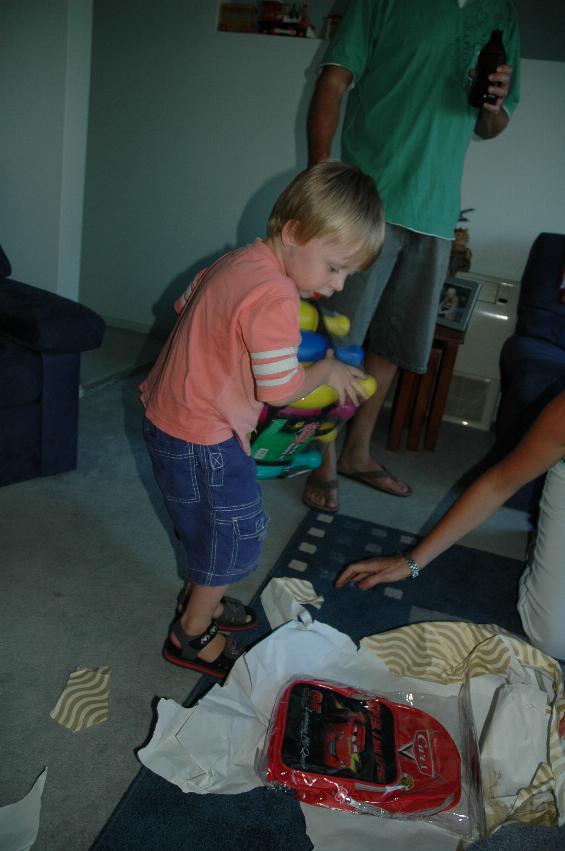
[351,355]
[313,347]
[302,462]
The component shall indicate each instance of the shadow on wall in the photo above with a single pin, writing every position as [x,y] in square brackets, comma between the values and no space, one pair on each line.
[253,220]
[252,224]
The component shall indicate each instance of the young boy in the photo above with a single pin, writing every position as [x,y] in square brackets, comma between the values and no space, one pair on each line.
[233,348]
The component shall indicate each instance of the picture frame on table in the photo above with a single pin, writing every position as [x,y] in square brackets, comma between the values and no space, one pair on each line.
[457,302]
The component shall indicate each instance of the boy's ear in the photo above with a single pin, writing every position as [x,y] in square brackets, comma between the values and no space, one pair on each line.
[288,233]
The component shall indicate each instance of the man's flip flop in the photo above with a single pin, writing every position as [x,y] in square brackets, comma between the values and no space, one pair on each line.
[186,656]
[372,477]
[324,487]
[233,618]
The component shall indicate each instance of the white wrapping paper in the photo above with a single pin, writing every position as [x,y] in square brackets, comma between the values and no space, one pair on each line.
[19,822]
[212,747]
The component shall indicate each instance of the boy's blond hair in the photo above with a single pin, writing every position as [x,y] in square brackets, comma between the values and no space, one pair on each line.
[333,200]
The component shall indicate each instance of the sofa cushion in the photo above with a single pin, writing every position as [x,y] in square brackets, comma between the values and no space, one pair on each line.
[46,321]
[541,313]
[20,375]
[529,366]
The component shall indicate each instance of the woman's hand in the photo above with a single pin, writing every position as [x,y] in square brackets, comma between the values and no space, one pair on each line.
[374,571]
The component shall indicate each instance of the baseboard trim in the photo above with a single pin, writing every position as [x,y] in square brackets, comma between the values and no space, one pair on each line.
[138,327]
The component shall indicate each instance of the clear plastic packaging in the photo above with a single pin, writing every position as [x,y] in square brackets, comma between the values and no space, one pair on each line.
[393,755]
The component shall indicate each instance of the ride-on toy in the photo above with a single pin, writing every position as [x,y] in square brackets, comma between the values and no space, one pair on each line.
[281,444]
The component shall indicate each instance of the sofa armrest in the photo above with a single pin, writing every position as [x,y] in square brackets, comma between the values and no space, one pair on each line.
[45,321]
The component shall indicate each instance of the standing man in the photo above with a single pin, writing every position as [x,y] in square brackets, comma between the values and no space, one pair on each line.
[406,65]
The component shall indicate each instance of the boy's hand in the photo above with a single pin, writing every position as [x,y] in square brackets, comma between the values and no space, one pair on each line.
[344,380]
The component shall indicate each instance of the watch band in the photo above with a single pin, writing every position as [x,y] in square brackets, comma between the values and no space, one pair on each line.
[413,565]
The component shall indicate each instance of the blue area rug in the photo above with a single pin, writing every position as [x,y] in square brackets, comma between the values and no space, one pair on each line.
[464,584]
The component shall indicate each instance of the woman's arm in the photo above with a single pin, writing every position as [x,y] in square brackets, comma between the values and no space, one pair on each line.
[543,446]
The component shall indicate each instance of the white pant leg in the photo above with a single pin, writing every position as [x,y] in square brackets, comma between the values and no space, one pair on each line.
[542,586]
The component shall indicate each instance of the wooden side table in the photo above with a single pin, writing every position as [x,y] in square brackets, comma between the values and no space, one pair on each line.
[421,397]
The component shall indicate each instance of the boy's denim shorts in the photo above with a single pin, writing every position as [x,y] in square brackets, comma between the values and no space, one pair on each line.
[214,500]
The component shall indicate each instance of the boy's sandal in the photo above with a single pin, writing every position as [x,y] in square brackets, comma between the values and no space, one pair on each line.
[186,656]
[233,618]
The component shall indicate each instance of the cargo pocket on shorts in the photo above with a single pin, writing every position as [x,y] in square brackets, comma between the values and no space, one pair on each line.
[248,531]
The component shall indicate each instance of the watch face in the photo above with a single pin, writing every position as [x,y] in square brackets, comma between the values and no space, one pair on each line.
[336,746]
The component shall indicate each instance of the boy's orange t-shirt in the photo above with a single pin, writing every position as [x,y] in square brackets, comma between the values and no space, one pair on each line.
[234,346]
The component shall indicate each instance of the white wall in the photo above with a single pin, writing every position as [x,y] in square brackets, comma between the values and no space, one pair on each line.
[192,135]
[516,182]
[44,75]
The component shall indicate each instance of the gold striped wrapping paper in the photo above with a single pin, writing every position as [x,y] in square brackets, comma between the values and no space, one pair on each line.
[450,651]
[84,700]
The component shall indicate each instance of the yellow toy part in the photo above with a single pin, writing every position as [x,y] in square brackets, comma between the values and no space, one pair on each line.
[309,316]
[327,438]
[325,395]
[335,323]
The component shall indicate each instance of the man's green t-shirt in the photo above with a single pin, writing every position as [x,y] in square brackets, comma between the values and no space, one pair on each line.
[408,123]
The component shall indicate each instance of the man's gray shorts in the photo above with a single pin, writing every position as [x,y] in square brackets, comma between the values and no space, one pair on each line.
[393,307]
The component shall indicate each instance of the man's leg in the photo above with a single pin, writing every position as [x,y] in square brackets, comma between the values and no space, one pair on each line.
[400,332]
[356,453]
[358,301]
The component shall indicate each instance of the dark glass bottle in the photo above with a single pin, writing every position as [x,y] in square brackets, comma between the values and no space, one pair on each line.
[491,56]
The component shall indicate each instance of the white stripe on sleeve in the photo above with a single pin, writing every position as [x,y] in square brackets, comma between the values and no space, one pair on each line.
[276,382]
[275,353]
[275,366]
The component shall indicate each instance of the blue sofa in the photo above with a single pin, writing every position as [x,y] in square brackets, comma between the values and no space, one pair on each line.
[532,361]
[41,337]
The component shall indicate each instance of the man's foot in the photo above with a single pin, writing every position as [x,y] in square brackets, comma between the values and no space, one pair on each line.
[375,476]
[320,494]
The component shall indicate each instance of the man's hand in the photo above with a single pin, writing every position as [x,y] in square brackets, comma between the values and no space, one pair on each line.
[500,85]
[493,119]
[374,571]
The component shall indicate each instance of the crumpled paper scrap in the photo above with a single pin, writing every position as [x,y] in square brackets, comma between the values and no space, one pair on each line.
[516,707]
[284,599]
[84,700]
[19,822]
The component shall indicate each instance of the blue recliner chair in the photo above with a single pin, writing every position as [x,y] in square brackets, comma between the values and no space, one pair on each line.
[532,361]
[41,338]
